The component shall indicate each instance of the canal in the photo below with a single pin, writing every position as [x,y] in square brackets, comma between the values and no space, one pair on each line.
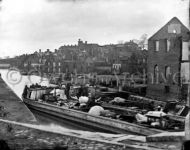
[16,82]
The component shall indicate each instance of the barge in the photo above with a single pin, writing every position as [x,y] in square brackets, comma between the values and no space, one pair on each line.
[113,125]
[39,99]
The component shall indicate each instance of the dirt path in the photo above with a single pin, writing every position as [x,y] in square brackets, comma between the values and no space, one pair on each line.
[11,107]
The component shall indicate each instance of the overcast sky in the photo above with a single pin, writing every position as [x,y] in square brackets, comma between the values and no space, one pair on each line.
[29,25]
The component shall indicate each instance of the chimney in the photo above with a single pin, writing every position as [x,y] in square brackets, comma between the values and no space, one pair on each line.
[80,42]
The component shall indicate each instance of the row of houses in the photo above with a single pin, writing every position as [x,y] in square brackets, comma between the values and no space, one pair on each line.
[87,58]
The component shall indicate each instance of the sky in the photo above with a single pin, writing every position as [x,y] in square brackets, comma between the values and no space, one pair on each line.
[29,25]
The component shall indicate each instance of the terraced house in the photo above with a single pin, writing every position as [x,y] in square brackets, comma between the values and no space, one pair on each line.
[168,62]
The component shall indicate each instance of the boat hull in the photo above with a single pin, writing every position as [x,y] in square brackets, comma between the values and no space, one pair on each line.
[104,123]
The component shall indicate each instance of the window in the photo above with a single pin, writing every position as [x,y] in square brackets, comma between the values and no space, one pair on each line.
[167,72]
[167,89]
[157,45]
[156,74]
[174,28]
[54,64]
[168,45]
[144,60]
[185,50]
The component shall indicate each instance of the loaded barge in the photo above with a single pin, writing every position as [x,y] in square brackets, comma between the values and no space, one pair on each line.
[113,125]
[39,99]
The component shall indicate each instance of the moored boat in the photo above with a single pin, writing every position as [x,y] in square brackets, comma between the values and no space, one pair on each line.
[134,111]
[32,100]
[134,104]
[53,101]
[113,125]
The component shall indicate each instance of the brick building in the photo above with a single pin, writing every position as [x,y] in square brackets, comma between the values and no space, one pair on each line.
[84,58]
[167,64]
[128,58]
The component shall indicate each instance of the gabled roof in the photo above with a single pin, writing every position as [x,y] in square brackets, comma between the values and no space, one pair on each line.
[173,20]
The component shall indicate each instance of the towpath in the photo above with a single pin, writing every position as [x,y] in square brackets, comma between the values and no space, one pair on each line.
[11,107]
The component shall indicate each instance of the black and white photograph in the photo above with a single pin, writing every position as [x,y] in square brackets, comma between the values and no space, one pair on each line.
[94,75]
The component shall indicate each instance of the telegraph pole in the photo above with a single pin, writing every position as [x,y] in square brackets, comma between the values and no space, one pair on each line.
[187,120]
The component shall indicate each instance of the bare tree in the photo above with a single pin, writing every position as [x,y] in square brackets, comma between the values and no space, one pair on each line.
[142,42]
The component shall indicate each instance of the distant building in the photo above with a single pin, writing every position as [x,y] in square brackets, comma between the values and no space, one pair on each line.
[128,57]
[167,58]
[9,62]
[4,66]
[84,57]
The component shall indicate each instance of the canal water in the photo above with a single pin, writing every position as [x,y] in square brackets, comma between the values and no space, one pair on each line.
[16,82]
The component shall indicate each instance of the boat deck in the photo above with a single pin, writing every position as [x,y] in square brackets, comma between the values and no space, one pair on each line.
[115,125]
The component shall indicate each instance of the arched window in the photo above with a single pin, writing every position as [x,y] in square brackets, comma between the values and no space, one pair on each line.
[156,74]
[167,72]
